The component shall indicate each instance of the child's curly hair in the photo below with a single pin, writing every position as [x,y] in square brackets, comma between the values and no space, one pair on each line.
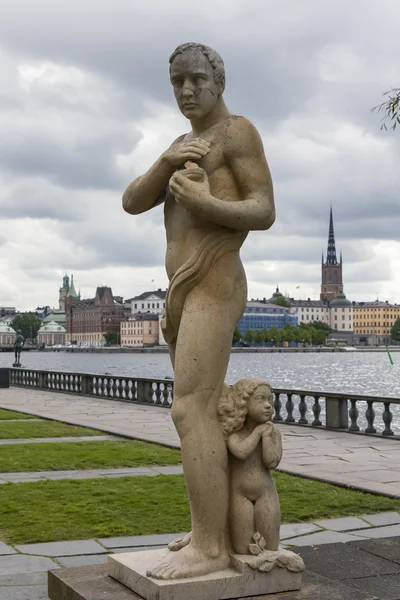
[233,405]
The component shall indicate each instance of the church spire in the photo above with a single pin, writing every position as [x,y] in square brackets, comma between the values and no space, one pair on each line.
[331,256]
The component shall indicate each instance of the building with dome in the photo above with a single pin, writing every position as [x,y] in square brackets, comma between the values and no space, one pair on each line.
[341,314]
[51,334]
[7,335]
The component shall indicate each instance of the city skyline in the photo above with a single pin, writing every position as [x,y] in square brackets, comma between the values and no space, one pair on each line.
[82,115]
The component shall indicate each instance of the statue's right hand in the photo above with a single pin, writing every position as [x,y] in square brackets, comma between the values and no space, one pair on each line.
[179,153]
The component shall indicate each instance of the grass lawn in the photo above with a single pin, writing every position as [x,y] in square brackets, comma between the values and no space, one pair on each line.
[69,510]
[5,415]
[83,455]
[44,429]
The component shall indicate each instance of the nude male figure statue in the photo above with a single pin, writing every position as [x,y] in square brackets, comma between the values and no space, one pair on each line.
[216,186]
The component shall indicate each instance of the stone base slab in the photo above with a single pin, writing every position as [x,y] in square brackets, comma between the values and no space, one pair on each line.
[93,583]
[234,583]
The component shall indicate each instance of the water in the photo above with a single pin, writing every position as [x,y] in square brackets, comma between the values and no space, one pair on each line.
[368,373]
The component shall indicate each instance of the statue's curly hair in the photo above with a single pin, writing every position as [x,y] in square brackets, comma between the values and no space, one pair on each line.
[212,56]
[234,404]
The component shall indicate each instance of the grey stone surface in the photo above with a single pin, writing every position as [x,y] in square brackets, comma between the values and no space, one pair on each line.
[17,563]
[85,438]
[323,537]
[136,549]
[388,548]
[381,519]
[386,586]
[24,579]
[289,530]
[381,532]
[4,549]
[63,548]
[343,524]
[342,561]
[24,593]
[140,540]
[83,561]
[92,583]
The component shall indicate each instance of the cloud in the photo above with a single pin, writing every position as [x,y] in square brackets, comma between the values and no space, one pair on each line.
[86,106]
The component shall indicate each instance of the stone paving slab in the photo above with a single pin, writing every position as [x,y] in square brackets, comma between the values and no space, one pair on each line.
[83,560]
[4,549]
[31,579]
[322,538]
[139,540]
[19,563]
[343,524]
[380,519]
[388,548]
[154,424]
[24,593]
[34,476]
[389,585]
[58,440]
[55,549]
[289,530]
[381,532]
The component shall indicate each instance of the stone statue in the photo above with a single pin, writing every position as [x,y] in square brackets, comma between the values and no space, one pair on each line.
[18,345]
[215,184]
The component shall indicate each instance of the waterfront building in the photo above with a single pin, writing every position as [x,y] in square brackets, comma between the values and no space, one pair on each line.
[374,320]
[309,310]
[153,302]
[331,269]
[7,335]
[139,330]
[262,315]
[51,334]
[88,320]
[67,290]
[6,311]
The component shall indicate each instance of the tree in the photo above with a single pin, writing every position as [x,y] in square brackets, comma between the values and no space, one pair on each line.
[249,337]
[28,324]
[111,338]
[321,326]
[236,335]
[395,330]
[282,301]
[390,109]
[274,335]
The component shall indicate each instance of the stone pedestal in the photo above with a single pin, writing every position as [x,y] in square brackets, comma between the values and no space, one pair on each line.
[239,581]
[16,364]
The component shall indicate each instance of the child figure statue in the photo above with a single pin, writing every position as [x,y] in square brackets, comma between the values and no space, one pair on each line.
[255,447]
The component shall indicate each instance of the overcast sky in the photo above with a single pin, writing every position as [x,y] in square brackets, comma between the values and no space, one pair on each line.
[86,106]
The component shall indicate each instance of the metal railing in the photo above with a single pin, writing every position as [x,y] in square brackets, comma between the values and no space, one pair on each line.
[346,412]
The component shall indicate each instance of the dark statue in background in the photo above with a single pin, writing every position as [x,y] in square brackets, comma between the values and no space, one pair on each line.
[18,345]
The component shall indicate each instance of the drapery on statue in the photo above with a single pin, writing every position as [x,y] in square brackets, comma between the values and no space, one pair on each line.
[18,345]
[216,186]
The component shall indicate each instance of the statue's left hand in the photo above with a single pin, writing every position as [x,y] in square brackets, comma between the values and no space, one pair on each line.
[190,186]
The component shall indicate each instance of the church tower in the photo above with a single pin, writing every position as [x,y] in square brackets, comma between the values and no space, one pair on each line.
[332,280]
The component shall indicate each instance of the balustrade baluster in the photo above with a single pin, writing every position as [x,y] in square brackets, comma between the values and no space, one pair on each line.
[290,408]
[370,416]
[316,408]
[157,393]
[303,410]
[277,408]
[353,414]
[387,419]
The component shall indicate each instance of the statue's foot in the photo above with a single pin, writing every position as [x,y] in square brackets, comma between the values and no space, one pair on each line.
[180,543]
[189,562]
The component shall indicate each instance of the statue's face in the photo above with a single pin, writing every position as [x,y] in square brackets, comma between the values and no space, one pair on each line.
[195,90]
[260,405]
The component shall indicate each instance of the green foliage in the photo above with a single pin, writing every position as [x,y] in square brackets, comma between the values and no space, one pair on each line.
[390,109]
[56,456]
[7,415]
[42,429]
[395,330]
[236,335]
[111,338]
[282,301]
[321,326]
[305,333]
[94,508]
[28,324]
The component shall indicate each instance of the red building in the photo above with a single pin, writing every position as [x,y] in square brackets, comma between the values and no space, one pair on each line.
[87,321]
[332,278]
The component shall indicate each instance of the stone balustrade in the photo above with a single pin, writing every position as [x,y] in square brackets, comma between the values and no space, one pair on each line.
[346,412]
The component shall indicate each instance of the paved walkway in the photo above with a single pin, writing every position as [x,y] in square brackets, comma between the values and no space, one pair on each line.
[32,476]
[359,461]
[23,568]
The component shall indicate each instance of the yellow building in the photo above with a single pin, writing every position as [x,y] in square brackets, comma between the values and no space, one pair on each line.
[375,318]
[139,330]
